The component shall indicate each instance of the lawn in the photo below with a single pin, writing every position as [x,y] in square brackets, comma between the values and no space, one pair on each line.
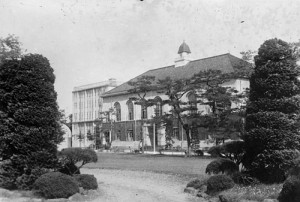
[192,166]
[187,168]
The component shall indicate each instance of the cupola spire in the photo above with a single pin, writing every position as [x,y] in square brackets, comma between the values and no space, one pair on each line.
[184,55]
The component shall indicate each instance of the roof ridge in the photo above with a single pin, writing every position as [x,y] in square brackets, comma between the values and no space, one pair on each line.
[159,68]
[211,57]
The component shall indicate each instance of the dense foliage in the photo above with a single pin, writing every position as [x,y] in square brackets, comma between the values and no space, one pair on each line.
[218,183]
[272,122]
[86,181]
[233,150]
[221,165]
[55,185]
[243,179]
[196,183]
[29,115]
[70,157]
[290,191]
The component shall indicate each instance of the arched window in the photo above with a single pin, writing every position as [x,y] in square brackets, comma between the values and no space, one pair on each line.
[193,103]
[117,107]
[130,110]
[158,106]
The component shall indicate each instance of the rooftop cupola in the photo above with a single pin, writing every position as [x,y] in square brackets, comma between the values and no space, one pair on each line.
[184,48]
[184,55]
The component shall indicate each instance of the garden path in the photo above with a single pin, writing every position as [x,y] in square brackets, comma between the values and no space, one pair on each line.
[135,186]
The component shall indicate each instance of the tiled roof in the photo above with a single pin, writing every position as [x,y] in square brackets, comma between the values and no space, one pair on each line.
[226,63]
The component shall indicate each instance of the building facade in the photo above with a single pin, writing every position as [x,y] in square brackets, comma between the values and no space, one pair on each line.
[87,105]
[128,122]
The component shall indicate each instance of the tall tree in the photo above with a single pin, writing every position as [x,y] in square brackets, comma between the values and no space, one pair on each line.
[225,119]
[175,91]
[272,122]
[10,48]
[29,115]
[140,87]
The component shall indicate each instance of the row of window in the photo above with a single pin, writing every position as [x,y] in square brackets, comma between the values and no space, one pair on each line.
[144,115]
[82,116]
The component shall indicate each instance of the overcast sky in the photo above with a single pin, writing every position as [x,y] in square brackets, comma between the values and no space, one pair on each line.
[89,41]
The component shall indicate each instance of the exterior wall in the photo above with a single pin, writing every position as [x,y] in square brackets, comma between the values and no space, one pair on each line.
[66,143]
[87,103]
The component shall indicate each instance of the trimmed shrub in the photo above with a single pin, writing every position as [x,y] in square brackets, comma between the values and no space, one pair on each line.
[219,183]
[26,181]
[196,183]
[233,150]
[69,157]
[221,166]
[243,179]
[55,185]
[199,152]
[86,181]
[290,191]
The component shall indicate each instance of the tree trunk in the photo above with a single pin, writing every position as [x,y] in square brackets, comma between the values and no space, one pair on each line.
[187,132]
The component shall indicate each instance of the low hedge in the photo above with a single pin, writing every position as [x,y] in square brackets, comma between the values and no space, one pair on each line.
[219,183]
[86,181]
[55,185]
[221,166]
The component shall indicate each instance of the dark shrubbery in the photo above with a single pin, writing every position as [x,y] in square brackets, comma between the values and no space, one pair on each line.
[290,191]
[243,179]
[221,166]
[26,181]
[199,152]
[272,126]
[219,183]
[55,185]
[8,175]
[86,181]
[29,117]
[69,157]
[233,150]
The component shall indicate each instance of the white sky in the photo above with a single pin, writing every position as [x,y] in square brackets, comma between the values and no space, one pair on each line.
[89,41]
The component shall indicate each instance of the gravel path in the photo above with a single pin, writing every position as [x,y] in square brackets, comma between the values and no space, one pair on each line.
[134,186]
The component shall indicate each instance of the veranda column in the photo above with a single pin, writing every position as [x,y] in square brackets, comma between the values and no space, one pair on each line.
[154,137]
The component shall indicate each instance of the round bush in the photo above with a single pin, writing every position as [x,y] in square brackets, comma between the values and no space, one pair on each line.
[219,183]
[196,183]
[290,191]
[55,185]
[86,181]
[221,166]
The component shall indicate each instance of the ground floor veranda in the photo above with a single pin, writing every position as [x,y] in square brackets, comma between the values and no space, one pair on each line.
[134,134]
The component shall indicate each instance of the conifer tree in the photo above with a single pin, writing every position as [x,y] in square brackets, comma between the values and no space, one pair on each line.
[29,116]
[272,121]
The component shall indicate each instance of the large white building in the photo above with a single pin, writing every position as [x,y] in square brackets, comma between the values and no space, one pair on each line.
[129,119]
[87,104]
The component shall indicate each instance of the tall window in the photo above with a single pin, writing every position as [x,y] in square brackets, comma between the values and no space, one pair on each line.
[130,110]
[193,103]
[158,106]
[118,111]
[144,112]
[176,133]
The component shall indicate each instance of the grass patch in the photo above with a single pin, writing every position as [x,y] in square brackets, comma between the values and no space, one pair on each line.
[257,193]
[192,166]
